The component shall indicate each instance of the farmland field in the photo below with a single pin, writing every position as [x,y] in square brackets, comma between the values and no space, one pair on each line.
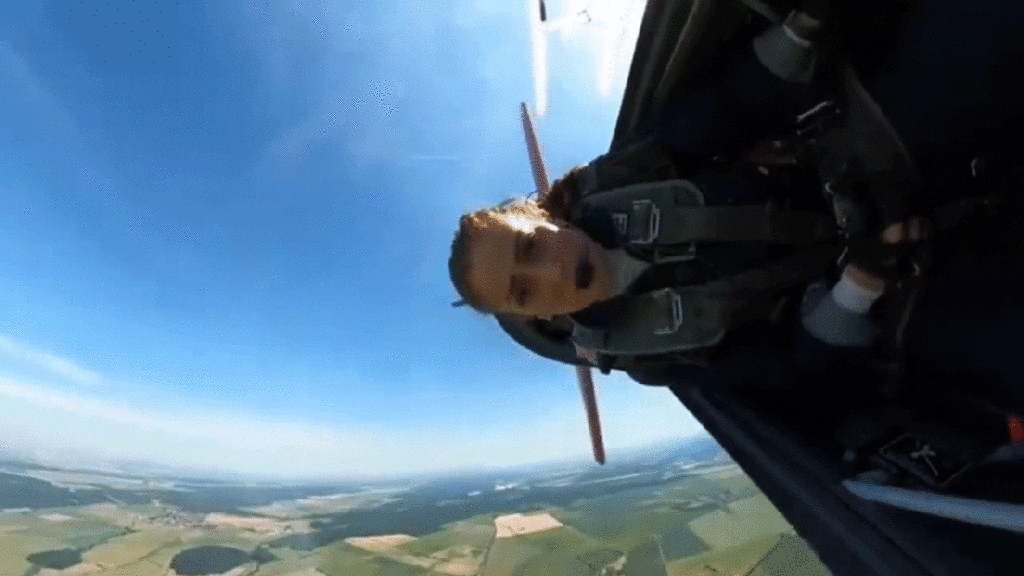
[133,546]
[745,520]
[688,516]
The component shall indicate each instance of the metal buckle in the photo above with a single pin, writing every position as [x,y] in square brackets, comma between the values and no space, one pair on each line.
[817,119]
[675,306]
[644,211]
[621,221]
[917,456]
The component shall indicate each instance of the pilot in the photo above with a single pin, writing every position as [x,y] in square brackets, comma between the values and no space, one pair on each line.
[571,268]
[521,259]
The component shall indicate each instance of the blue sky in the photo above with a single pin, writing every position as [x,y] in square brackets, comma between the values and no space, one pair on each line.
[225,230]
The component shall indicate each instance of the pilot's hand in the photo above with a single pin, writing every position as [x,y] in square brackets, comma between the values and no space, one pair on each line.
[914,229]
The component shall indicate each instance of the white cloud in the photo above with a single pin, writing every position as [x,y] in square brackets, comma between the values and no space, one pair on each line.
[190,436]
[605,31]
[539,46]
[47,361]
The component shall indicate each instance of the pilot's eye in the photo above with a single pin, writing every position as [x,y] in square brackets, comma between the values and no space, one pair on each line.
[527,249]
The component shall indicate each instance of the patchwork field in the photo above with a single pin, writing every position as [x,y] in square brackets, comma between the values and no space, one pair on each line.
[707,525]
[133,546]
[508,554]
[289,563]
[769,555]
[379,543]
[25,533]
[744,520]
[342,559]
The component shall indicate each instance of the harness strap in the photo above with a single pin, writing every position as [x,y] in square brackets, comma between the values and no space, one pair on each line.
[672,212]
[859,155]
[749,223]
[666,320]
[698,316]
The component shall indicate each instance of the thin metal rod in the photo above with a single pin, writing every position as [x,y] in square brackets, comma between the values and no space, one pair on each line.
[590,403]
[540,179]
[540,173]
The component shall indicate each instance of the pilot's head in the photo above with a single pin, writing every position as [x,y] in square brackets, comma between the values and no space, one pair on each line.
[517,258]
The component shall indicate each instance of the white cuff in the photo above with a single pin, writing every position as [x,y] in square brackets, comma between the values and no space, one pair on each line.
[852,297]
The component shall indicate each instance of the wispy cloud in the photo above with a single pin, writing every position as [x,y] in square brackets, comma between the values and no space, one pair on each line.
[196,436]
[605,30]
[35,418]
[539,46]
[50,362]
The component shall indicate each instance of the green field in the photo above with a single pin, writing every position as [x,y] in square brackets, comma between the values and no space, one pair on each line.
[17,546]
[137,568]
[791,556]
[621,524]
[562,538]
[555,563]
[476,532]
[431,543]
[746,536]
[507,554]
[745,520]
[133,546]
[284,567]
[677,539]
[736,560]
[341,559]
[25,533]
[388,567]
[769,555]
[81,532]
[122,515]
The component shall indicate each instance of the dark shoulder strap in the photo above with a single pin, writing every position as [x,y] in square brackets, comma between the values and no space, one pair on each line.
[691,317]
[673,212]
[542,337]
[644,161]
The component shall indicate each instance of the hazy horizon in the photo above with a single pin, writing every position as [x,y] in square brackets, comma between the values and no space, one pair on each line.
[144,468]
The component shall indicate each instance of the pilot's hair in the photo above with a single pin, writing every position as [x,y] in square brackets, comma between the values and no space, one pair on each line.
[564,193]
[555,204]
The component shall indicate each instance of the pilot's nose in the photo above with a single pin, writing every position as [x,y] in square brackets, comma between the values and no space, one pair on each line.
[553,269]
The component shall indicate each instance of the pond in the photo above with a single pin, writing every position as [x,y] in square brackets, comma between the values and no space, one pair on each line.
[209,560]
[56,559]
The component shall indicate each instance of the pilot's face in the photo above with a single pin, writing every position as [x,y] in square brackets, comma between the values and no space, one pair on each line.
[525,264]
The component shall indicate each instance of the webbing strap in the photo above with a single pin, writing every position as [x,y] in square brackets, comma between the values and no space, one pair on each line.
[689,317]
[749,223]
[658,322]
[672,212]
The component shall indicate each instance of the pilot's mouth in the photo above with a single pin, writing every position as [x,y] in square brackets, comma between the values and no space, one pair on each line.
[584,273]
